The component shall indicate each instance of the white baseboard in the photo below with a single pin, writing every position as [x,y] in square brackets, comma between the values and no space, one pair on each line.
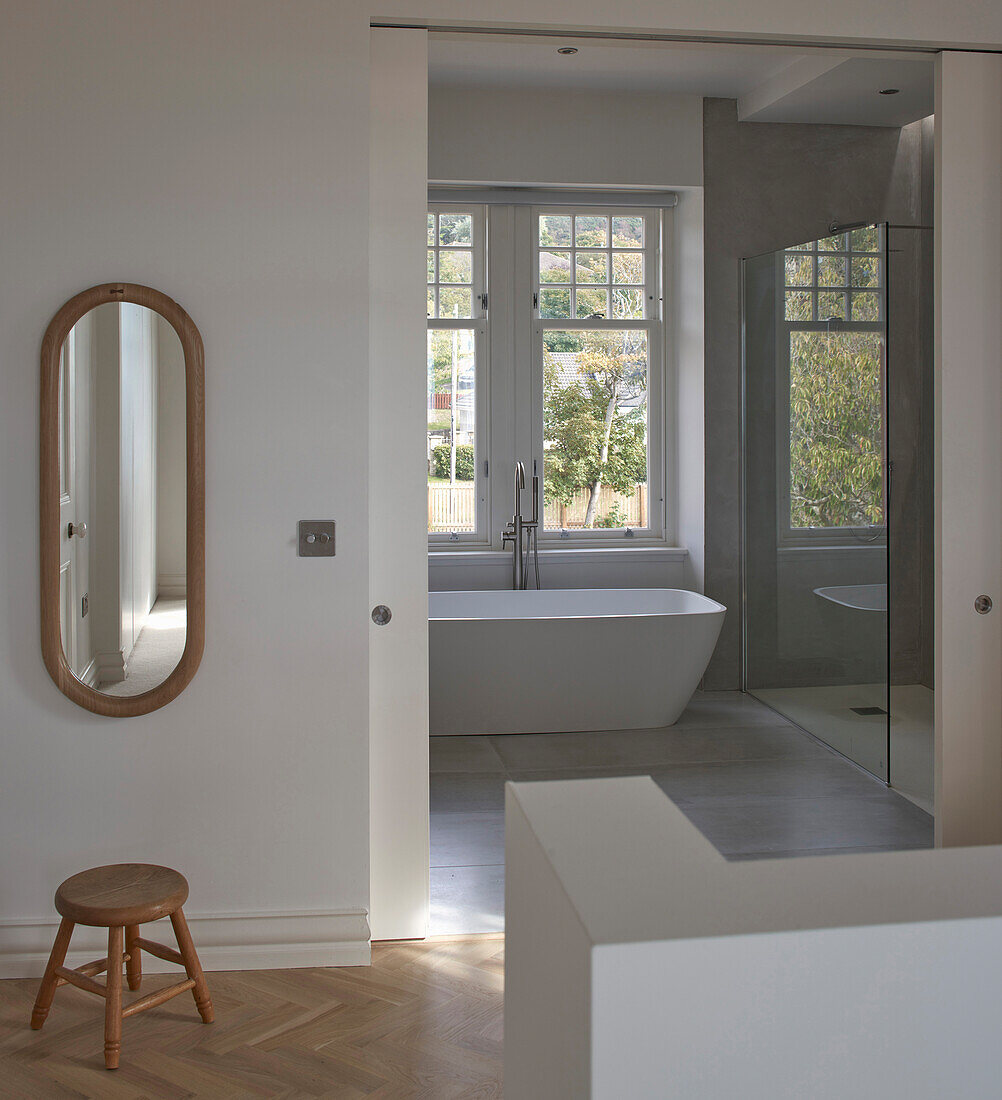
[89,675]
[224,941]
[111,667]
[172,585]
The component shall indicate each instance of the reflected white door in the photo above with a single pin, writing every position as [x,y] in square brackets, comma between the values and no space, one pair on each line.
[137,471]
[68,571]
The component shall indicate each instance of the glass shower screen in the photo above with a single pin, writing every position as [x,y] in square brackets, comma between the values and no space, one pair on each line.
[815,494]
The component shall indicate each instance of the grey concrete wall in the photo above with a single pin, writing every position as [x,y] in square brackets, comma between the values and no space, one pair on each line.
[769,185]
[910,411]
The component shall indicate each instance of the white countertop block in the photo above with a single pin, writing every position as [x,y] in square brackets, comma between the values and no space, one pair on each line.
[641,963]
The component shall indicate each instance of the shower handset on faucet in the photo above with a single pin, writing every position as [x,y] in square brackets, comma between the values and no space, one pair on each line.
[533,541]
[513,532]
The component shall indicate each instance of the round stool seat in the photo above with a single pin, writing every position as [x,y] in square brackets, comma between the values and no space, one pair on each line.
[121,894]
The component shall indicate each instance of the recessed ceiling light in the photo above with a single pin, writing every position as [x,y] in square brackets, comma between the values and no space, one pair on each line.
[567,49]
[889,91]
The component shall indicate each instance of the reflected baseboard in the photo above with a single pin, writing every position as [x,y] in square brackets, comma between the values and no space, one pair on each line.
[110,668]
[172,586]
[89,675]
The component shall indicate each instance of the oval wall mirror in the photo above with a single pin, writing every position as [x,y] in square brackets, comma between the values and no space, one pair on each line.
[122,499]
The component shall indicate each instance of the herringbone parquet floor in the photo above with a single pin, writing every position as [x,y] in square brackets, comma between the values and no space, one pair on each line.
[423,1021]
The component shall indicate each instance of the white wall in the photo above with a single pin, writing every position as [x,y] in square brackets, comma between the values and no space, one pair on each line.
[685,337]
[577,138]
[171,462]
[232,175]
[612,568]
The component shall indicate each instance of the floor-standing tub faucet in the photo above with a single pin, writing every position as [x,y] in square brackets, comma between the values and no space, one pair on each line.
[523,534]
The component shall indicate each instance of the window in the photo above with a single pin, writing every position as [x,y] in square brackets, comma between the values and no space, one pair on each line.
[566,369]
[597,334]
[456,355]
[830,410]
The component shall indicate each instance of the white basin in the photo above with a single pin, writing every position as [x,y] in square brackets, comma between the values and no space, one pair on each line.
[860,597]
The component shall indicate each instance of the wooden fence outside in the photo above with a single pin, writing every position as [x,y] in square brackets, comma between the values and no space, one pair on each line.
[632,509]
[454,507]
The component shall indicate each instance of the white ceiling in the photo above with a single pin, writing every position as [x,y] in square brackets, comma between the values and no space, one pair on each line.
[849,92]
[773,83]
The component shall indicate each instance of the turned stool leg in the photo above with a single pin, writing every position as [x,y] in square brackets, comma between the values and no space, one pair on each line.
[134,965]
[193,968]
[47,990]
[113,1004]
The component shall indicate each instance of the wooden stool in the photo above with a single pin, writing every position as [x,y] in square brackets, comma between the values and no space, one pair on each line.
[120,898]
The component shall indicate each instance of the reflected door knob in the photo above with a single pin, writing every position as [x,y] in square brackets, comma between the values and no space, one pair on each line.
[78,529]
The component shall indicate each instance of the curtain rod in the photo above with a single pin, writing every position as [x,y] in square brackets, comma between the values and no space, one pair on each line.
[706,39]
[546,196]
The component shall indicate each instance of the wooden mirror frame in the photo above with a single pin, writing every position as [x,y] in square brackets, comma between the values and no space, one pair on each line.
[122,706]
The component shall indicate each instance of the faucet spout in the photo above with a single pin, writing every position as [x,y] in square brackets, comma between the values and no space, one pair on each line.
[521,533]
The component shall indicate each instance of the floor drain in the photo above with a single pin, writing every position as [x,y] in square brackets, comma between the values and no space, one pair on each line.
[865,712]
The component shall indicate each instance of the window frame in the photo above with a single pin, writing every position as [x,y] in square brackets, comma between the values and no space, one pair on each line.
[789,537]
[480,537]
[655,253]
[509,369]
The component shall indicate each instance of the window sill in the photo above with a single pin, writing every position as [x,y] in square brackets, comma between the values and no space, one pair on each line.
[827,547]
[590,554]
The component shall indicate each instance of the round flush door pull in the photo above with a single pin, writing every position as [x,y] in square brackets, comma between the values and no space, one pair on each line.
[983,604]
[381,614]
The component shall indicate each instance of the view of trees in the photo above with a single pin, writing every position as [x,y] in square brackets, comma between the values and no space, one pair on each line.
[836,433]
[595,415]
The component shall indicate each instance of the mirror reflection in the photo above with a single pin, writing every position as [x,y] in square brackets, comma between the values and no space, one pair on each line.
[122,484]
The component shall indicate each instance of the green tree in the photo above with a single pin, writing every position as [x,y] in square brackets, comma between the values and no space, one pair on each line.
[836,436]
[442,454]
[591,440]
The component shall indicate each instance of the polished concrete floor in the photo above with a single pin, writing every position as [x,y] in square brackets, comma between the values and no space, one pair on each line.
[753,783]
[827,713]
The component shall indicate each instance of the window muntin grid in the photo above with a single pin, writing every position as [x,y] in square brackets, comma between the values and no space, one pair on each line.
[594,265]
[458,504]
[455,255]
[836,278]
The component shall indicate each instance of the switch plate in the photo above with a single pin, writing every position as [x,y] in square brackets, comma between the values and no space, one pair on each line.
[316,538]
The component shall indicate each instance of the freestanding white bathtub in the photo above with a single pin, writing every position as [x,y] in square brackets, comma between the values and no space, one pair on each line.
[557,660]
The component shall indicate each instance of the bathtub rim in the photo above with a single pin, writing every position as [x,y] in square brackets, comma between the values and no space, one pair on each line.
[712,607]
